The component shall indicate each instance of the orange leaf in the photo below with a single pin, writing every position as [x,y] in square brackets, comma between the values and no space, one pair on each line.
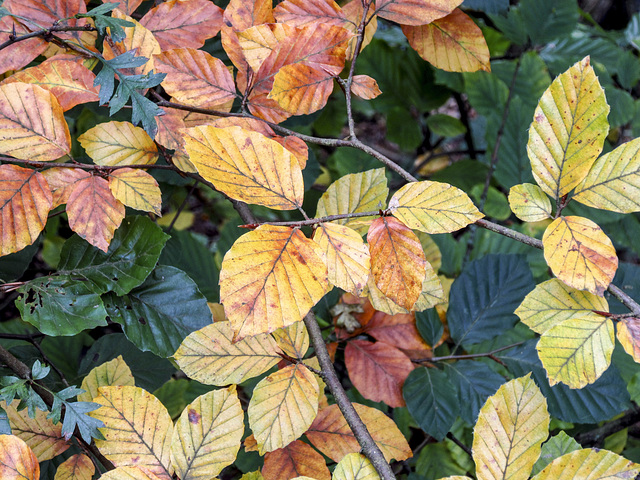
[70,82]
[294,460]
[258,42]
[301,12]
[46,12]
[377,370]
[453,43]
[195,78]
[168,136]
[25,200]
[93,212]
[32,125]
[301,89]
[16,56]
[354,11]
[398,263]
[127,6]
[296,146]
[183,23]
[399,330]
[62,181]
[415,12]
[365,87]
[628,333]
[242,14]
[17,461]
[76,467]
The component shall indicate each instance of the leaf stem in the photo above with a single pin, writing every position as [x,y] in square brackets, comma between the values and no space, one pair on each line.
[468,356]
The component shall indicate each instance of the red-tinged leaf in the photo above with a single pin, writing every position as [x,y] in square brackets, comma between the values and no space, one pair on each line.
[242,14]
[16,56]
[25,202]
[300,89]
[195,78]
[377,370]
[294,460]
[62,181]
[365,87]
[415,12]
[453,43]
[295,145]
[258,42]
[17,461]
[70,82]
[93,212]
[183,23]
[301,12]
[168,135]
[628,333]
[127,6]
[399,330]
[398,263]
[46,12]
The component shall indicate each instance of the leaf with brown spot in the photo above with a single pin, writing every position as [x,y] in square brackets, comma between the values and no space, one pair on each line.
[628,333]
[415,12]
[17,461]
[295,460]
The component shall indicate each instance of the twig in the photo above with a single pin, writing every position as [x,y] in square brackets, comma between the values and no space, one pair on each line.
[596,437]
[468,356]
[49,362]
[466,449]
[45,33]
[181,207]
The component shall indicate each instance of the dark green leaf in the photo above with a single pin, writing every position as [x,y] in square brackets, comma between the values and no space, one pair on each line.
[628,279]
[512,25]
[496,204]
[486,6]
[172,395]
[531,81]
[5,427]
[463,174]
[560,55]
[12,266]
[546,20]
[632,32]
[622,106]
[436,461]
[628,70]
[485,295]
[554,448]
[513,166]
[403,129]
[445,125]
[102,22]
[431,400]
[486,92]
[161,312]
[430,326]
[75,416]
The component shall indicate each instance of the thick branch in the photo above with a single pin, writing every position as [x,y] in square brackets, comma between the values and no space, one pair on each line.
[596,437]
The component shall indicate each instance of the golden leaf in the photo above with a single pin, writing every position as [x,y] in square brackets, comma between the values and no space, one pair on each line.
[17,461]
[113,372]
[129,473]
[628,333]
[76,467]
[293,340]
[529,203]
[136,189]
[588,463]
[355,466]
[119,143]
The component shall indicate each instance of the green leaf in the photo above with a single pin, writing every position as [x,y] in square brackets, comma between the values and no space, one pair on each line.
[60,305]
[431,400]
[486,92]
[102,22]
[483,298]
[75,417]
[530,83]
[560,18]
[628,279]
[496,204]
[132,255]
[622,106]
[12,266]
[553,448]
[445,125]
[161,312]
[437,460]
[463,174]
[430,326]
[487,6]
[5,427]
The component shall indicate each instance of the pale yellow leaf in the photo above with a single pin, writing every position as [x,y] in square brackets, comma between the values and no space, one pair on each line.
[568,129]
[628,333]
[431,250]
[433,207]
[119,143]
[270,278]
[137,429]
[76,467]
[580,254]
[553,301]
[529,203]
[208,434]
[293,340]
[129,473]
[258,41]
[355,466]
[282,407]
[136,189]
[589,464]
[577,351]
[113,372]
[210,356]
[346,255]
[510,429]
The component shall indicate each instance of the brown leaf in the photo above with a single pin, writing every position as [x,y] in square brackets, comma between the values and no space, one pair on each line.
[301,12]
[61,181]
[16,56]
[399,330]
[365,87]
[294,460]
[415,12]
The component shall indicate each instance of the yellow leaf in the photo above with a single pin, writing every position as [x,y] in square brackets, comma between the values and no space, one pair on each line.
[433,207]
[129,473]
[208,434]
[119,143]
[529,203]
[252,476]
[282,407]
[577,351]
[136,189]
[355,466]
[628,333]
[588,464]
[365,87]
[76,467]
[93,212]
[568,130]
[380,301]
[43,436]
[32,124]
[137,429]
[580,254]
[346,255]
[258,41]
[210,356]
[293,340]
[510,429]
[25,200]
[270,278]
[613,183]
[62,180]
[355,193]
[246,165]
[415,12]
[17,461]
[431,250]
[453,43]
[301,89]
[113,372]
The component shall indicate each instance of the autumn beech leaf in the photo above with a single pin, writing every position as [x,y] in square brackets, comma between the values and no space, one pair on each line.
[25,202]
[179,24]
[577,351]
[282,407]
[433,207]
[17,460]
[398,264]
[346,255]
[300,89]
[354,11]
[628,333]
[168,135]
[76,467]
[415,12]
[293,340]
[296,460]
[119,143]
[137,429]
[70,82]
[355,466]
[399,330]
[529,203]
[355,193]
[301,12]
[378,370]
[296,146]
[111,373]
[365,87]
[246,165]
[584,463]
[257,42]
[195,78]
[32,124]
[453,43]
[94,213]
[210,356]
[568,130]
[580,254]
[136,189]
[62,181]
[129,473]
[128,6]
[207,436]
[16,56]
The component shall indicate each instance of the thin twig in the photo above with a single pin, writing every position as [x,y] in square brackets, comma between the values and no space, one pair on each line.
[45,33]
[182,205]
[468,356]
[455,440]
[49,362]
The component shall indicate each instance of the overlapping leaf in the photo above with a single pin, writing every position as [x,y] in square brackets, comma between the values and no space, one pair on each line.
[62,182]
[300,89]
[354,11]
[136,189]
[415,12]
[580,254]
[587,463]
[628,333]
[119,143]
[111,373]
[17,460]
[258,42]
[293,340]
[296,460]
[129,473]
[529,203]
[568,130]
[76,467]
[301,12]
[355,466]
[19,54]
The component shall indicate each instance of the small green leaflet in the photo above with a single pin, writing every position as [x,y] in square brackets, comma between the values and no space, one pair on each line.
[102,21]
